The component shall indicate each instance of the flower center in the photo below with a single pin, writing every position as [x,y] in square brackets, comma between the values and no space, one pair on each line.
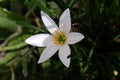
[59,38]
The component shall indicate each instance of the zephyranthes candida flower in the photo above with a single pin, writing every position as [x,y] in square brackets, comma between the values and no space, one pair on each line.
[57,40]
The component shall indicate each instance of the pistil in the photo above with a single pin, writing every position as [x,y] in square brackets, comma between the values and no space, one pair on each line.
[59,38]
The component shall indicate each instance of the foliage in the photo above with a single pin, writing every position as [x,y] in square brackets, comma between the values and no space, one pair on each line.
[97,57]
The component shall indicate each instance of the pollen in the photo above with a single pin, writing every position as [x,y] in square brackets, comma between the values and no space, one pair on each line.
[59,38]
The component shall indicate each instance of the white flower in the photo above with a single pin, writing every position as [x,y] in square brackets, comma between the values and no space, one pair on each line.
[58,40]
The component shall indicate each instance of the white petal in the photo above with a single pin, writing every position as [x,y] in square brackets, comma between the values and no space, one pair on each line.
[39,40]
[64,52]
[49,23]
[48,52]
[65,21]
[74,37]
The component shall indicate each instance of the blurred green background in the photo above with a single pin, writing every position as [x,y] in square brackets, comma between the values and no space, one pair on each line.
[96,57]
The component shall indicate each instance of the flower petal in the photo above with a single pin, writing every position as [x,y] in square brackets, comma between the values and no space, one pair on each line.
[65,21]
[49,23]
[74,37]
[39,40]
[64,52]
[48,52]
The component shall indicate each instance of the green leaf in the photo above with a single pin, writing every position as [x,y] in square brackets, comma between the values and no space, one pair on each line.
[7,58]
[29,26]
[11,15]
[7,24]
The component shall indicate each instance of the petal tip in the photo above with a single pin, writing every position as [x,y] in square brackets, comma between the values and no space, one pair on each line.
[82,37]
[67,66]
[68,63]
[40,61]
[41,12]
[27,41]
[67,10]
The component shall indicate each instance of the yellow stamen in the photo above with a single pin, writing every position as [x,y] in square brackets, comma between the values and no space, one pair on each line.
[55,42]
[61,42]
[59,38]
[64,38]
[55,37]
[57,33]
